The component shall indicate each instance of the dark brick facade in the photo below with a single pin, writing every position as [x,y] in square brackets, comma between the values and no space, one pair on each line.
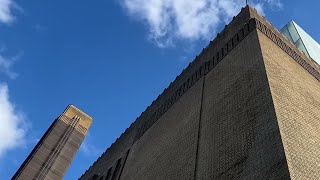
[218,119]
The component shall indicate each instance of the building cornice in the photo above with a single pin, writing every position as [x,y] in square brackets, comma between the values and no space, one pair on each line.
[166,100]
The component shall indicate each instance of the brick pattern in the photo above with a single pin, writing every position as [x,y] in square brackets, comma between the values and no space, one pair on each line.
[196,70]
[296,97]
[167,149]
[293,52]
[203,69]
[52,156]
[59,145]
[248,145]
[239,137]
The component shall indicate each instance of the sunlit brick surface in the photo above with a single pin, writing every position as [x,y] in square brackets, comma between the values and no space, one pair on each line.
[54,152]
[296,97]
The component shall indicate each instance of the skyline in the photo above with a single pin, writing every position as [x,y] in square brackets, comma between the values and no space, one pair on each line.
[41,69]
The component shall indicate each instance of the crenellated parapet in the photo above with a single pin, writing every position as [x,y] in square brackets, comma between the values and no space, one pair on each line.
[204,68]
[238,29]
[273,34]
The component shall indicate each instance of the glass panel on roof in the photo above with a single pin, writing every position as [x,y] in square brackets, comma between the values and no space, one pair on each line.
[301,46]
[286,33]
[302,40]
[293,32]
[310,44]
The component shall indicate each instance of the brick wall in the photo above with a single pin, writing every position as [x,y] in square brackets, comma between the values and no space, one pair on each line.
[239,134]
[219,119]
[167,150]
[296,96]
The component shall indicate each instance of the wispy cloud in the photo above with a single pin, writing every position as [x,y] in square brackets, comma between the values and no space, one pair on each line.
[274,3]
[171,20]
[6,7]
[6,63]
[38,27]
[13,126]
[89,149]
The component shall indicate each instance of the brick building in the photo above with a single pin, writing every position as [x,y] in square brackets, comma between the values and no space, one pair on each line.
[53,154]
[248,107]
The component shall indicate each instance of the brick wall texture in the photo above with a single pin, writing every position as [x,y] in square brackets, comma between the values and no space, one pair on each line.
[296,97]
[53,154]
[42,164]
[248,107]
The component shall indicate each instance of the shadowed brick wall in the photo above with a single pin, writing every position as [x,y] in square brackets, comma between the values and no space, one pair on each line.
[226,115]
[239,133]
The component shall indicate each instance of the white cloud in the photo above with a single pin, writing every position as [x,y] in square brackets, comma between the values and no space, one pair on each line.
[88,149]
[6,7]
[6,64]
[170,20]
[274,3]
[12,124]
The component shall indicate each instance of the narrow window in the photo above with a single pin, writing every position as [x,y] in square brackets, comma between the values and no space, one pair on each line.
[108,174]
[116,169]
[218,57]
[227,47]
[95,177]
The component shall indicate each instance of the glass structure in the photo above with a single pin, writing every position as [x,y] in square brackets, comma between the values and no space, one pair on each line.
[302,40]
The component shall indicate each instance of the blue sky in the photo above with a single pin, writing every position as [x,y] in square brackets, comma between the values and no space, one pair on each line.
[110,58]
